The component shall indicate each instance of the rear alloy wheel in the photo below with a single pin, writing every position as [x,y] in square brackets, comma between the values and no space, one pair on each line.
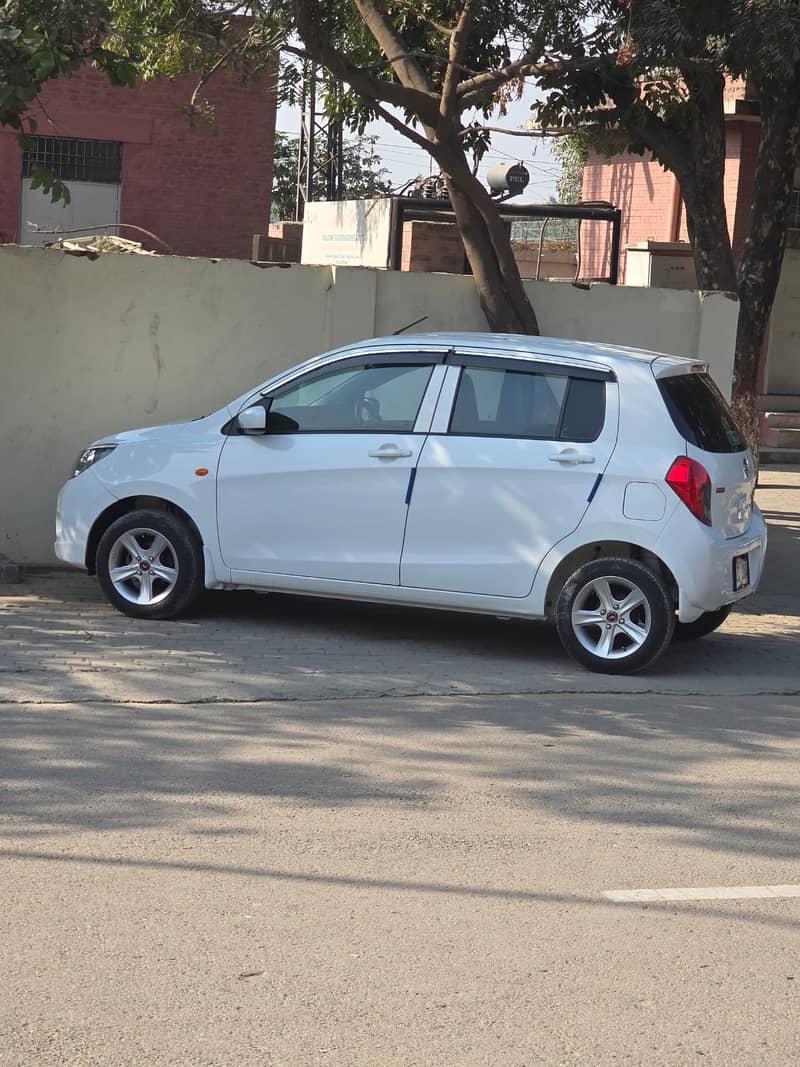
[615,616]
[707,623]
[150,565]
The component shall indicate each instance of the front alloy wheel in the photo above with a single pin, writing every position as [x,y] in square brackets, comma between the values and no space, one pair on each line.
[150,564]
[615,616]
[143,565]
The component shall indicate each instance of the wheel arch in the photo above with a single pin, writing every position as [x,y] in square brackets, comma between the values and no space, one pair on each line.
[123,507]
[597,550]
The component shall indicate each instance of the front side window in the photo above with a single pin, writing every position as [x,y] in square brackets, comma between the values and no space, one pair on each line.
[510,403]
[352,399]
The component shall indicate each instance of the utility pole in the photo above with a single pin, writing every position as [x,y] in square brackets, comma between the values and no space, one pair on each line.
[320,158]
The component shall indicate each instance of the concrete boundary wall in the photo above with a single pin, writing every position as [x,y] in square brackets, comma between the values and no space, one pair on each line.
[90,347]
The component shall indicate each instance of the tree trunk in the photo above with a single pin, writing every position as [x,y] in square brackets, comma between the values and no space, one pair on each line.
[707,226]
[762,257]
[487,244]
[702,182]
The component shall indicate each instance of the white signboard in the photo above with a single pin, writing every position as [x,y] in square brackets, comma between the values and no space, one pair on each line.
[349,233]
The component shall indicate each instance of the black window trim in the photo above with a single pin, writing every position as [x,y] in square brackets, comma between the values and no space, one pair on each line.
[529,366]
[419,358]
[557,371]
[403,359]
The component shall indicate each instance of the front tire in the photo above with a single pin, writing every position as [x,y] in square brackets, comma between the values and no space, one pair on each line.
[150,565]
[707,623]
[615,616]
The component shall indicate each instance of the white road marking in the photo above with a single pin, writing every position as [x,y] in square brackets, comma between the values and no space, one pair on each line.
[719,892]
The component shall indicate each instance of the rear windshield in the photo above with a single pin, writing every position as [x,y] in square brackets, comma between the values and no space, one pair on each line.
[700,413]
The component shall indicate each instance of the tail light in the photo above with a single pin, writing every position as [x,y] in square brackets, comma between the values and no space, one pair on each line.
[690,480]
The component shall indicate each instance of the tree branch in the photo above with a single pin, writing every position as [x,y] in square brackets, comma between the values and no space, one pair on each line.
[408,132]
[458,45]
[424,105]
[408,71]
[473,91]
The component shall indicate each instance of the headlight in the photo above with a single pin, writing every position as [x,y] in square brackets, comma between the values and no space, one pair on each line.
[90,456]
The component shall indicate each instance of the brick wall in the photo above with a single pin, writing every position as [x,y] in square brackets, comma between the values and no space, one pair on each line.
[10,186]
[648,197]
[432,246]
[646,194]
[205,191]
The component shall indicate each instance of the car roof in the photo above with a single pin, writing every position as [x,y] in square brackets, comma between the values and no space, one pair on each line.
[587,354]
[522,346]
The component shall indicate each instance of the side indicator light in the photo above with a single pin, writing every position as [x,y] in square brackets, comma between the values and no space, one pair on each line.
[201,472]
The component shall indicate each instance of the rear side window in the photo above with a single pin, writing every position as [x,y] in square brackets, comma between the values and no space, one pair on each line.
[700,414]
[507,403]
[584,411]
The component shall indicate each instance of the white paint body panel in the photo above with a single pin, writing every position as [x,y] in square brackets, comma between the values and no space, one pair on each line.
[488,526]
[316,505]
[486,510]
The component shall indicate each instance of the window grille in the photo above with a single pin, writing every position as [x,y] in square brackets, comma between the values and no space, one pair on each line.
[71,159]
[793,222]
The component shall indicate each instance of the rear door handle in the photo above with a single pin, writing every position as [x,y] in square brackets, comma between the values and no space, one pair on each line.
[391,452]
[571,456]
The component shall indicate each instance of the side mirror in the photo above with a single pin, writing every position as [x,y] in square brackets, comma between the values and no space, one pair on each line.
[253,420]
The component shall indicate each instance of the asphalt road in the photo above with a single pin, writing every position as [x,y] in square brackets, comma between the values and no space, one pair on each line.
[288,833]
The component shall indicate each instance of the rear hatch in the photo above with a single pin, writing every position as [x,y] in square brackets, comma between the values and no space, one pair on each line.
[702,417]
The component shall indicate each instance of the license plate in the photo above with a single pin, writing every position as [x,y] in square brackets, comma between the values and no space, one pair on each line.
[741,572]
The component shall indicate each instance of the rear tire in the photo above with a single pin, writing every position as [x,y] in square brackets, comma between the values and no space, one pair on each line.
[708,622]
[615,616]
[150,565]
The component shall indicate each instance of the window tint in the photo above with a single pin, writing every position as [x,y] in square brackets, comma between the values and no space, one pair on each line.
[584,411]
[352,399]
[504,403]
[700,413]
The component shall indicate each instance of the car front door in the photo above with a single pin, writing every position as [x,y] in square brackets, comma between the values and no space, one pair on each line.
[507,471]
[322,494]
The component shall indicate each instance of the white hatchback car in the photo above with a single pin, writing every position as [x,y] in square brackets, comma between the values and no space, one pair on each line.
[605,488]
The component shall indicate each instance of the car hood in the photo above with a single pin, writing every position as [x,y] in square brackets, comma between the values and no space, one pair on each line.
[173,431]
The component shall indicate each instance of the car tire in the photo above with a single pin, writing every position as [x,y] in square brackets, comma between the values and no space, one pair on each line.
[707,623]
[593,623]
[150,565]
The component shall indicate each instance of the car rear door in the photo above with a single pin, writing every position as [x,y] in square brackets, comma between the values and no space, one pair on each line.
[513,458]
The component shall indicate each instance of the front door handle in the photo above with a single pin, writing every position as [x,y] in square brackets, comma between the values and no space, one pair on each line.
[571,456]
[391,452]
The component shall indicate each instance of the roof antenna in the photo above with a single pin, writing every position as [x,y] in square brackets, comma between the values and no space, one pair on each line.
[416,322]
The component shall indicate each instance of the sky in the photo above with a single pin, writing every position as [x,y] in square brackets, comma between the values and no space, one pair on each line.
[404,160]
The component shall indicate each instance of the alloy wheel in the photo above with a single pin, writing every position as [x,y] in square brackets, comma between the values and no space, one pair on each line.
[143,566]
[611,617]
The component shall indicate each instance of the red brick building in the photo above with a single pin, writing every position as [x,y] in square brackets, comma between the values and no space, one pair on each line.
[131,156]
[649,196]
[653,218]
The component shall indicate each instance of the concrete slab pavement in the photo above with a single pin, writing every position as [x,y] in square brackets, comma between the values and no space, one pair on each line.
[398,883]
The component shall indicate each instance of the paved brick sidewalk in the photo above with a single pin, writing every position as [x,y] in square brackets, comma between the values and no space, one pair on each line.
[60,641]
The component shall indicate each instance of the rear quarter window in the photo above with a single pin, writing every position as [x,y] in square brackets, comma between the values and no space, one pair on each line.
[700,414]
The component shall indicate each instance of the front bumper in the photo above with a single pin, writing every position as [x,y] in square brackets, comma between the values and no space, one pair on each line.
[80,501]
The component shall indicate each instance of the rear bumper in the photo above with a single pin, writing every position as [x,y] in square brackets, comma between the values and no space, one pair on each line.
[704,569]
